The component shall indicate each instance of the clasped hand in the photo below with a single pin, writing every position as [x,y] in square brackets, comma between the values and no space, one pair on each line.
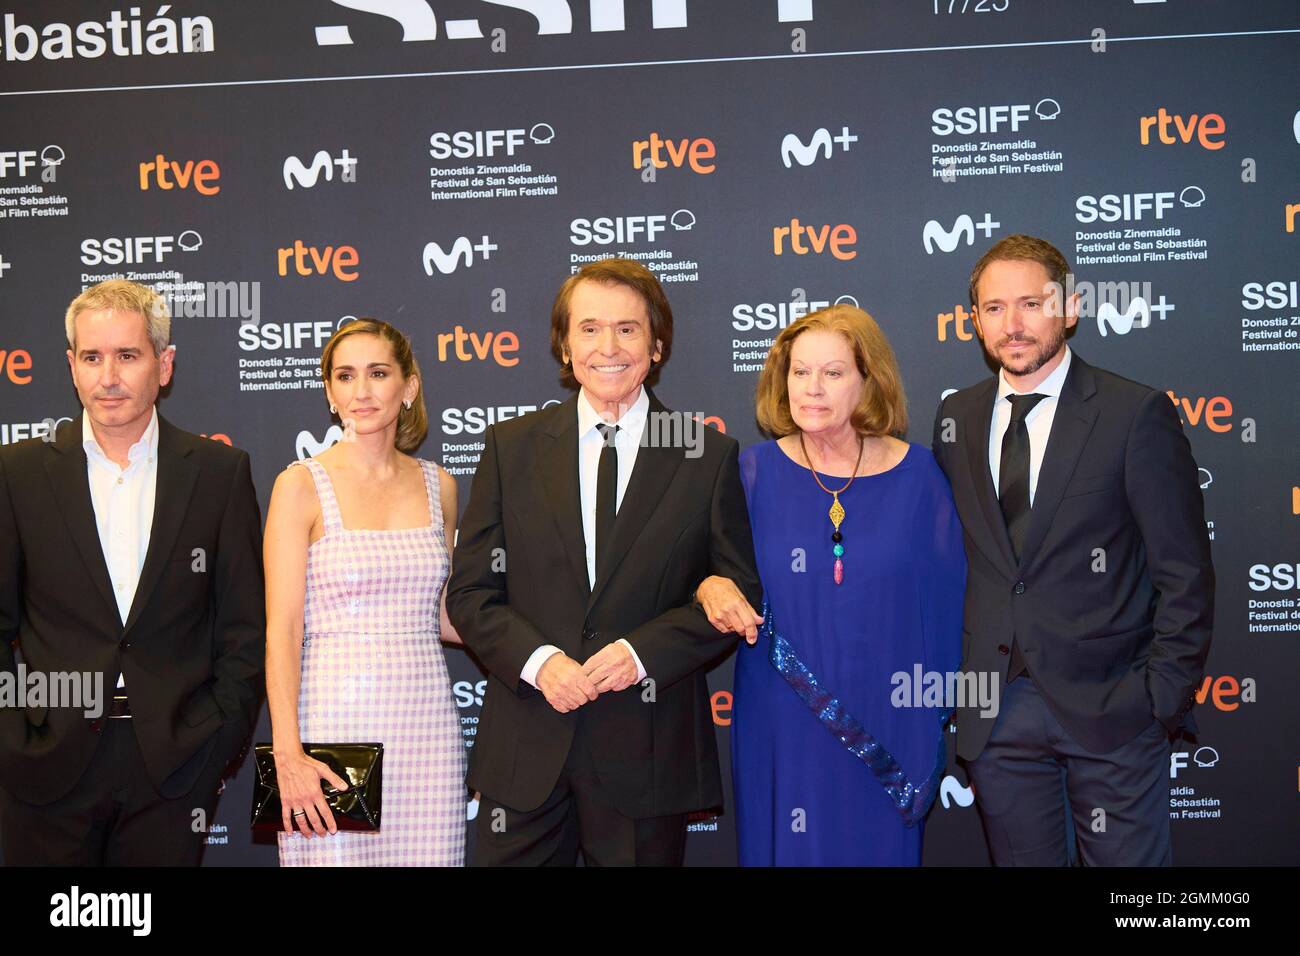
[568,685]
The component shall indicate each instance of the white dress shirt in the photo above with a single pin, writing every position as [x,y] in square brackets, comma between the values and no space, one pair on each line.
[627,441]
[123,501]
[1038,422]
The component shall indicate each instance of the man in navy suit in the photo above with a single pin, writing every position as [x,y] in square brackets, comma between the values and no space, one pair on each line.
[1090,592]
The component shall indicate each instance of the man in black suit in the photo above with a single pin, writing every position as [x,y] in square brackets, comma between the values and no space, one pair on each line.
[588,527]
[1090,592]
[129,554]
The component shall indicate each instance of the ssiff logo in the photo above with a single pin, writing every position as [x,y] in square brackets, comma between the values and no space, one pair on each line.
[794,150]
[23,161]
[484,143]
[553,17]
[130,250]
[322,164]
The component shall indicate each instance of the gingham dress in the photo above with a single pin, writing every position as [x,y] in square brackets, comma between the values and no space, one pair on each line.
[373,670]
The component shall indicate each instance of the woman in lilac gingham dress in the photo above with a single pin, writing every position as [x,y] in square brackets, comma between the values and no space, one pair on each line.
[371,666]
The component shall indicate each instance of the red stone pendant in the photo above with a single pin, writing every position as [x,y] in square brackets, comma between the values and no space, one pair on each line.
[839,571]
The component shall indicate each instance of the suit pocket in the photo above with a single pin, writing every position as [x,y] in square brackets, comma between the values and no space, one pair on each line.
[200,708]
[1091,485]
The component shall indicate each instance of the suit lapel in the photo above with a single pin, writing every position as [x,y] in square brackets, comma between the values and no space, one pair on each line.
[558,461]
[1071,426]
[67,472]
[654,470]
[177,475]
[995,543]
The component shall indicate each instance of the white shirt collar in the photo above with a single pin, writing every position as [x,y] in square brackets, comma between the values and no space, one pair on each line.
[631,422]
[1051,385]
[147,444]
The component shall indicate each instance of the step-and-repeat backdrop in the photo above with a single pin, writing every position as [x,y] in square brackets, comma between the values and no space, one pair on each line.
[279,168]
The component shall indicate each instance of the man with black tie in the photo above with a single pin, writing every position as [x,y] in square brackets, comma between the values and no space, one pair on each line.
[1090,590]
[129,552]
[585,536]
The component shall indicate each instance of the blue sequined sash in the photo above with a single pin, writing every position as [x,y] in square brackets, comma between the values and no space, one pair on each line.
[911,802]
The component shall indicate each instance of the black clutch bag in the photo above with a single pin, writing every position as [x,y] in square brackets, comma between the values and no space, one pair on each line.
[357,808]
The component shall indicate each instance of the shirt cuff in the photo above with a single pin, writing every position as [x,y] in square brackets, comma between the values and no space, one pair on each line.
[535,661]
[640,671]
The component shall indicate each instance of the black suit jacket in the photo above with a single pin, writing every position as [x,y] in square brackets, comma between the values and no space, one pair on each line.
[193,644]
[519,580]
[1112,601]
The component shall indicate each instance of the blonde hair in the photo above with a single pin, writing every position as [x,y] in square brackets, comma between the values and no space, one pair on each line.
[883,407]
[121,295]
[413,422]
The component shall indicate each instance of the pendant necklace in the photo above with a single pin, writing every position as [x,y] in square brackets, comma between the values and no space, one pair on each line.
[837,510]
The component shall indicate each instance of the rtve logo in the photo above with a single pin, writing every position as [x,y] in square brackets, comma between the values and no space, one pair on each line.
[1171,128]
[934,234]
[14,364]
[1215,411]
[23,161]
[1226,692]
[168,174]
[839,239]
[481,143]
[322,164]
[461,253]
[130,250]
[956,319]
[607,230]
[680,152]
[501,346]
[342,261]
[1136,316]
[1131,207]
[793,148]
[965,120]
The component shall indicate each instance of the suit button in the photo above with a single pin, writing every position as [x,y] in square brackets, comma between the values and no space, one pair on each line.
[1003,649]
[589,635]
[1020,587]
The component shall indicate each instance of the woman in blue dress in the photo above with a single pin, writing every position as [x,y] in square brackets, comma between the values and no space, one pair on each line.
[837,727]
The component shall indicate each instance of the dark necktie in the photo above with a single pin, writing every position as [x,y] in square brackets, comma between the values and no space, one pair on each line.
[606,494]
[1013,475]
[1013,493]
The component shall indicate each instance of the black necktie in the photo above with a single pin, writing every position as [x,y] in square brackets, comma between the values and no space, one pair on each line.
[606,494]
[1013,474]
[1013,493]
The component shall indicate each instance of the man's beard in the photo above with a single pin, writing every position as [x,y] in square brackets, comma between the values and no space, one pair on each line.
[1049,349]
